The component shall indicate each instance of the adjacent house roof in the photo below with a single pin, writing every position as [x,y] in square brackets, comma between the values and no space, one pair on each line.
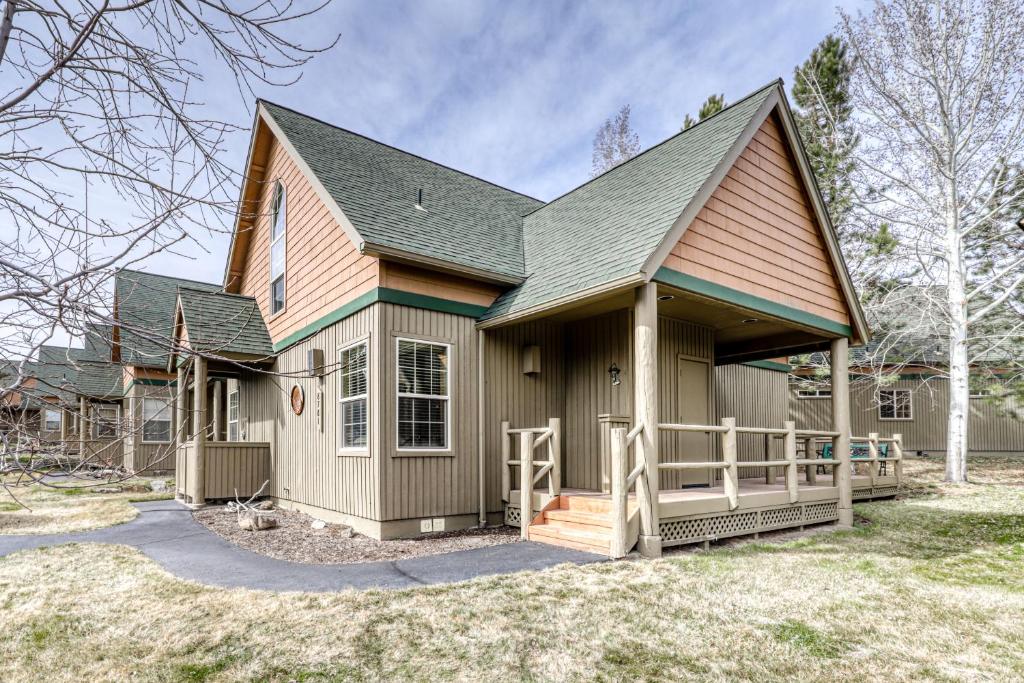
[65,373]
[145,305]
[224,324]
[463,220]
[607,228]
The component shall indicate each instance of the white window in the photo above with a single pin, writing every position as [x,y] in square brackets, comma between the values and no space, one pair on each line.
[105,422]
[353,373]
[233,416]
[814,393]
[156,420]
[895,404]
[277,249]
[423,398]
[52,420]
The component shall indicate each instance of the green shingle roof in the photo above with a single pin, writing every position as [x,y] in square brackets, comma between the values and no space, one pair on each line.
[67,372]
[224,323]
[145,308]
[607,228]
[467,221]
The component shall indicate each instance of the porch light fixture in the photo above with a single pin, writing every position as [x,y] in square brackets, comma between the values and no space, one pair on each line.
[750,321]
[666,297]
[613,371]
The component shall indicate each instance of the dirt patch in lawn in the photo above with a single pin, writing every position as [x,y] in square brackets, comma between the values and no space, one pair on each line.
[296,541]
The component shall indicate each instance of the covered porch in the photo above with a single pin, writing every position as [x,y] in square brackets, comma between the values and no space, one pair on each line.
[664,469]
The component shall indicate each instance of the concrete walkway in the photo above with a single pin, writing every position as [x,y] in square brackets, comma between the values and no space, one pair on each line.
[166,532]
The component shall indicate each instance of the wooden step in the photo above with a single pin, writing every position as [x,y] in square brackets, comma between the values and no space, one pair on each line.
[578,518]
[571,538]
[586,504]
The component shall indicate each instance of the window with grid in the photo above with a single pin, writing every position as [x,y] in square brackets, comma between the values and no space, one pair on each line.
[233,416]
[277,249]
[106,422]
[423,398]
[895,404]
[156,420]
[352,396]
[52,420]
[814,393]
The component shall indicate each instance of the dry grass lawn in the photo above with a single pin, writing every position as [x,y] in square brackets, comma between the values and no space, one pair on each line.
[73,505]
[930,588]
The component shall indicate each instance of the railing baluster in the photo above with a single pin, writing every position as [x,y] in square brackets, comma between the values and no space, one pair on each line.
[555,455]
[526,483]
[809,454]
[789,449]
[506,473]
[620,493]
[730,475]
[897,446]
[873,457]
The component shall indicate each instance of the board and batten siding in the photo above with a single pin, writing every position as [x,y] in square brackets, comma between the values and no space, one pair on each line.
[988,429]
[522,400]
[757,233]
[323,269]
[756,397]
[429,483]
[305,465]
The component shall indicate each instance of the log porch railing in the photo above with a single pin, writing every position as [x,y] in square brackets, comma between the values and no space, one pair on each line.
[530,439]
[874,459]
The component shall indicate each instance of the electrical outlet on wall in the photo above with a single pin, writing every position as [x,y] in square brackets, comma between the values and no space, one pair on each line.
[426,526]
[438,524]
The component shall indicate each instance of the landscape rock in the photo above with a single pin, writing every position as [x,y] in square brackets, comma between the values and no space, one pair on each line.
[318,524]
[256,522]
[342,531]
[266,505]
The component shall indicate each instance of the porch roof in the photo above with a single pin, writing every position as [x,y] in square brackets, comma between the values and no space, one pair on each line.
[223,324]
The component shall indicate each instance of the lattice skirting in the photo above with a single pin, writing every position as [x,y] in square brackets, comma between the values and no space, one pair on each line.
[876,492]
[682,530]
[513,516]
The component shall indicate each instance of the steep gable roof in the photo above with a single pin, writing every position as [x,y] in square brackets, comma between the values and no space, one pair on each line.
[606,229]
[145,305]
[225,324]
[464,221]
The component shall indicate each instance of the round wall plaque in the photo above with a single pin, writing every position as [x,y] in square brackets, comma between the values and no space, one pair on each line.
[298,399]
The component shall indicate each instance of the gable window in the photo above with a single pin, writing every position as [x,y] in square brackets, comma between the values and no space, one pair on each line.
[156,421]
[233,432]
[353,362]
[106,422]
[277,249]
[814,393]
[895,404]
[423,398]
[52,420]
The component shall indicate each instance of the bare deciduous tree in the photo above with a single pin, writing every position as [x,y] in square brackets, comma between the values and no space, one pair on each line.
[615,142]
[939,94]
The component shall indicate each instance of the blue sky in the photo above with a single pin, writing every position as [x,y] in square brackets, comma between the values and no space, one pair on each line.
[514,91]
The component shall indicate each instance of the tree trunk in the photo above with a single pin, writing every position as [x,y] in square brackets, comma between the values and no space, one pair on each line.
[959,372]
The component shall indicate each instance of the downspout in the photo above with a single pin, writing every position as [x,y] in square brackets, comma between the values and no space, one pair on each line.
[480,427]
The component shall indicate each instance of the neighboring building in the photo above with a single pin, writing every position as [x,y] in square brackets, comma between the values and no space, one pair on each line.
[899,383]
[394,331]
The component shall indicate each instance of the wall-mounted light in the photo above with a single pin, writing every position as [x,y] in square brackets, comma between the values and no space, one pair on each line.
[613,372]
[750,321]
[666,297]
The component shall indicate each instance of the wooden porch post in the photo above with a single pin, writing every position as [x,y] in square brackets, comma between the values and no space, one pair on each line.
[645,412]
[64,413]
[218,393]
[789,450]
[83,425]
[199,440]
[841,423]
[525,483]
[897,469]
[181,408]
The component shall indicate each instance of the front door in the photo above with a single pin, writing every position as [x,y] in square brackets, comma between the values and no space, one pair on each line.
[694,408]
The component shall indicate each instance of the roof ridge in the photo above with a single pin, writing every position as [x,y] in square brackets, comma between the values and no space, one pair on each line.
[167,277]
[777,81]
[219,292]
[398,149]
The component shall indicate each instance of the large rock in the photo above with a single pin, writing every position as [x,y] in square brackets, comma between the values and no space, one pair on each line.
[253,521]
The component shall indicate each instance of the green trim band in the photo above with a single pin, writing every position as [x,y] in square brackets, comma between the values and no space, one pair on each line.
[145,381]
[755,303]
[769,365]
[381,295]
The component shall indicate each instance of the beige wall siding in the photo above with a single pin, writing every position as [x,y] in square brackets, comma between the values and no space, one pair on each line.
[988,429]
[305,464]
[522,400]
[323,268]
[756,397]
[757,233]
[439,483]
[140,456]
[441,285]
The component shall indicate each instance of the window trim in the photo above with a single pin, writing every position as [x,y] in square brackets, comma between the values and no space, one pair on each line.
[46,421]
[341,448]
[910,405]
[170,421]
[97,422]
[800,394]
[238,416]
[270,252]
[412,450]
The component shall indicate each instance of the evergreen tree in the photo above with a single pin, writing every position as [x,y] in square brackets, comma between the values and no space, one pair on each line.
[712,105]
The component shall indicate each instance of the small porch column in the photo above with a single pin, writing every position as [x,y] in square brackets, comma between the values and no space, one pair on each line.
[841,423]
[218,400]
[181,407]
[645,403]
[64,415]
[199,438]
[83,425]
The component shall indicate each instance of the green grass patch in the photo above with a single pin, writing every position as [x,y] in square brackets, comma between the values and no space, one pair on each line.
[807,638]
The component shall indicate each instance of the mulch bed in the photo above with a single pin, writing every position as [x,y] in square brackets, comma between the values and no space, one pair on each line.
[294,539]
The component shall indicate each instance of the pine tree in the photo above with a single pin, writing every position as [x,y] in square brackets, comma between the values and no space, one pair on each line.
[712,105]
[615,142]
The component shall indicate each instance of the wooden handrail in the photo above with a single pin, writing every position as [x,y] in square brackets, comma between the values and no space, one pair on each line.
[712,429]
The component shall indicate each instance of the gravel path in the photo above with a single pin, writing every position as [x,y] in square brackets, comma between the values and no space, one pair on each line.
[295,540]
